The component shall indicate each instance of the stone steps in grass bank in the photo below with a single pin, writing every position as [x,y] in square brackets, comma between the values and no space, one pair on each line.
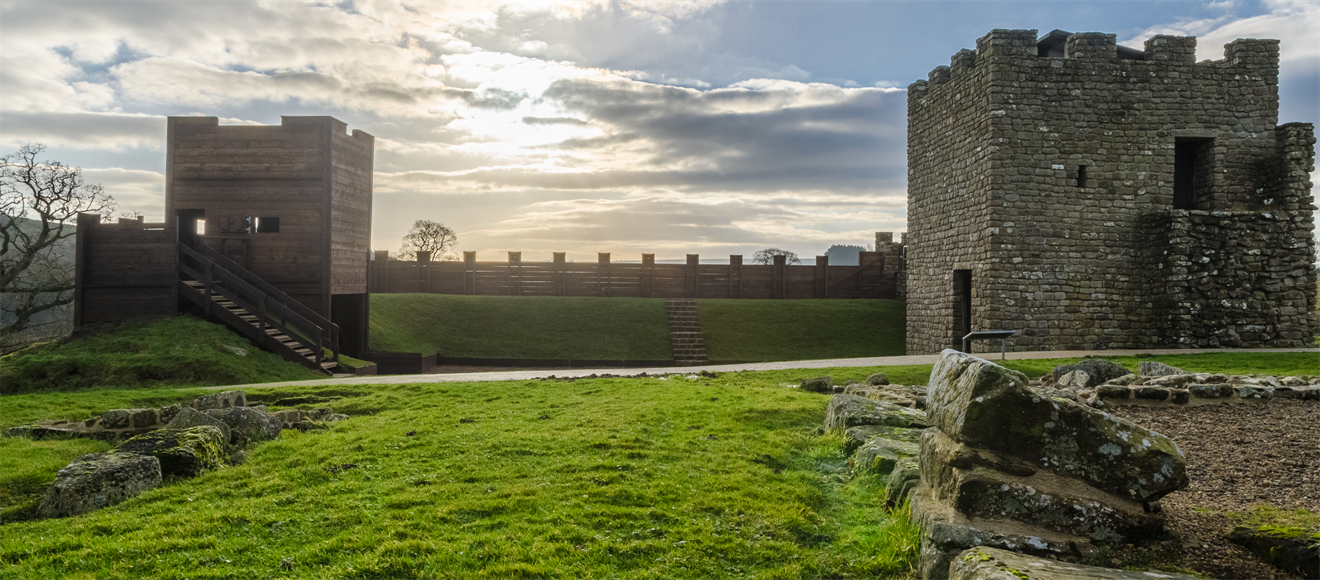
[685,332]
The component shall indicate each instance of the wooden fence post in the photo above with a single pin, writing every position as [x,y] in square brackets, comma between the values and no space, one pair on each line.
[648,275]
[87,224]
[560,276]
[382,264]
[867,263]
[423,271]
[515,274]
[822,277]
[735,276]
[691,276]
[603,274]
[777,276]
[469,272]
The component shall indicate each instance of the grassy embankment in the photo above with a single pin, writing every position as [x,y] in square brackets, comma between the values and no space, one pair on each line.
[173,352]
[632,328]
[775,330]
[528,327]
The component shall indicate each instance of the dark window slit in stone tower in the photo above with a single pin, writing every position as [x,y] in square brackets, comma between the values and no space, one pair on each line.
[962,306]
[1081,176]
[1192,163]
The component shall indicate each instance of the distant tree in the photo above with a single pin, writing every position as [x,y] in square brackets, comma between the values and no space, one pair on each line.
[428,236]
[841,255]
[39,201]
[767,256]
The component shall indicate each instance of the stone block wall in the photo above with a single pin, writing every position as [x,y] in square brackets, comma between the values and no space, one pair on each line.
[1052,181]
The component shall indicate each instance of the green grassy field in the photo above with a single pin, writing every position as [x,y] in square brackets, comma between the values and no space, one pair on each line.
[704,477]
[775,330]
[632,478]
[178,351]
[529,327]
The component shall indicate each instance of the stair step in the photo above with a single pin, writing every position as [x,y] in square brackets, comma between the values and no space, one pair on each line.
[685,339]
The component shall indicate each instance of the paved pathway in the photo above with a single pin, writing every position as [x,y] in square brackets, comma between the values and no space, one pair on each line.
[925,359]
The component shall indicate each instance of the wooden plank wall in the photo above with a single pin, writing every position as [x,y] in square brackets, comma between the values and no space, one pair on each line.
[647,279]
[351,159]
[125,271]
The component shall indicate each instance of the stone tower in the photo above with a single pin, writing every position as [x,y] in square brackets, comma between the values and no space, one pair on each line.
[1092,196]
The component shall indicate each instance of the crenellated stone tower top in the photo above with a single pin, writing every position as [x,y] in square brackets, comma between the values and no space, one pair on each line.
[1093,196]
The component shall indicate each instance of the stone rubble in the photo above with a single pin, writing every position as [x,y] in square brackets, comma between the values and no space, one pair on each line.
[98,480]
[1007,467]
[183,440]
[994,564]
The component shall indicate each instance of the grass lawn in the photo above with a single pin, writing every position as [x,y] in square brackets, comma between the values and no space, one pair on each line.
[178,351]
[632,478]
[774,330]
[528,327]
[689,478]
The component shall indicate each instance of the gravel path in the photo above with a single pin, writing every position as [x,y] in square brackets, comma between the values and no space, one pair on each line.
[1238,456]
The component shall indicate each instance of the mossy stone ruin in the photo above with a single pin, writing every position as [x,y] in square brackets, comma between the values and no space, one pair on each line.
[1008,467]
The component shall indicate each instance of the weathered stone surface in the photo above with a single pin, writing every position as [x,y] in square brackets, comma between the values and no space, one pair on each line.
[877,379]
[187,418]
[995,564]
[1098,370]
[288,416]
[332,417]
[250,424]
[223,400]
[880,455]
[846,411]
[817,385]
[97,480]
[1074,380]
[984,405]
[167,414]
[1210,391]
[945,533]
[905,477]
[1123,380]
[1291,548]
[182,452]
[854,437]
[120,418]
[913,396]
[1150,368]
[981,484]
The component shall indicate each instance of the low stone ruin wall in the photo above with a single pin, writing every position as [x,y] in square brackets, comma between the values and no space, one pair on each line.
[1008,471]
[1097,382]
[182,440]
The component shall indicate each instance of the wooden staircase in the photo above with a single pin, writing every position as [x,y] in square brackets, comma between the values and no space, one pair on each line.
[251,306]
[685,332]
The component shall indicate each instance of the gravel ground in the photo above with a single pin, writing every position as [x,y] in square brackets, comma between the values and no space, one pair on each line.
[1238,456]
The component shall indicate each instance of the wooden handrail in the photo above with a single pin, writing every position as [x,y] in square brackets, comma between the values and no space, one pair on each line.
[267,287]
[219,279]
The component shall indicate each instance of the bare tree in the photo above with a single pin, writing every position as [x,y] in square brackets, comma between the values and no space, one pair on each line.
[39,201]
[767,256]
[428,236]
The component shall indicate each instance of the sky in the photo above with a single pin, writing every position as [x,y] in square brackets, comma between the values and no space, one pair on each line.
[675,127]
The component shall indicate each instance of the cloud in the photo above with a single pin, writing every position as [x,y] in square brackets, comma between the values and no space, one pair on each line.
[1293,22]
[78,130]
[134,190]
[677,224]
[531,116]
